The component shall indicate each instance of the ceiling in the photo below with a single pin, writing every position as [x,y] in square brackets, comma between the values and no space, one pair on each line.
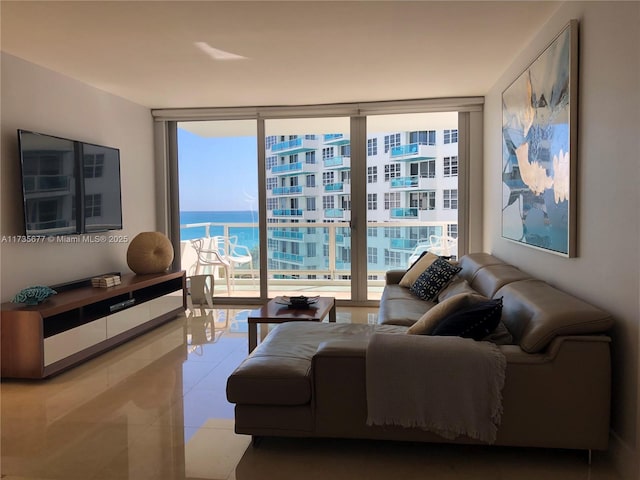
[174,54]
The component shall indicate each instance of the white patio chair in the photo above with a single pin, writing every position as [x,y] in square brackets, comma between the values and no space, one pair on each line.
[235,254]
[210,257]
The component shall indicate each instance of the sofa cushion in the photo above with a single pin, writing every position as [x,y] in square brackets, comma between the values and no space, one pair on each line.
[473,262]
[457,286]
[488,280]
[417,268]
[278,371]
[434,279]
[430,320]
[476,321]
[399,307]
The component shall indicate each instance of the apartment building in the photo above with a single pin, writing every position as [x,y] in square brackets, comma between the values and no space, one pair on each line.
[412,199]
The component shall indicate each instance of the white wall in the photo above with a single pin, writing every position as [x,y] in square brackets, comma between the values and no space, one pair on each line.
[606,271]
[37,99]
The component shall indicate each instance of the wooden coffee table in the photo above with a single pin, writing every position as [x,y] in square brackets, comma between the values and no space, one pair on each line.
[275,312]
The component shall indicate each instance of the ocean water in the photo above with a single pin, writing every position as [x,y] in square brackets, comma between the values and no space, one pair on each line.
[247,236]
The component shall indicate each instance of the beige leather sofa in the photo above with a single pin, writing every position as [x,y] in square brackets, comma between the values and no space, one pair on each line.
[308,379]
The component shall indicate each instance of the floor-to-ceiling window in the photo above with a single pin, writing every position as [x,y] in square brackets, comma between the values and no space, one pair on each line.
[218,165]
[323,199]
[308,199]
[412,190]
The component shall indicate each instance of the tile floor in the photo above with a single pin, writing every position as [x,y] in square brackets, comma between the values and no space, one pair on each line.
[155,408]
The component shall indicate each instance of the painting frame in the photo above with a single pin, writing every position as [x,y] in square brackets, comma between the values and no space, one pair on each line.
[540,149]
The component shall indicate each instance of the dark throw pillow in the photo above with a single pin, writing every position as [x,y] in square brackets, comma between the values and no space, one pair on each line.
[434,279]
[474,322]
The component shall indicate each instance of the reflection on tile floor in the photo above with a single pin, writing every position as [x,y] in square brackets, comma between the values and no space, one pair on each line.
[155,408]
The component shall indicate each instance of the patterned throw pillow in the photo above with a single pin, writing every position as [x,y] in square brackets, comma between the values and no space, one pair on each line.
[474,322]
[434,279]
[419,266]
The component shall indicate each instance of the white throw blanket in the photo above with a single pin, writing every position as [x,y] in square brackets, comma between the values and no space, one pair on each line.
[448,385]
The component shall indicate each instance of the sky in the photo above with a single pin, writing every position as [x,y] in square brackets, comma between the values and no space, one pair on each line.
[217,173]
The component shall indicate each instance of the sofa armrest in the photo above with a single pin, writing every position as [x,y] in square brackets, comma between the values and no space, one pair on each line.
[339,390]
[342,348]
[515,354]
[393,277]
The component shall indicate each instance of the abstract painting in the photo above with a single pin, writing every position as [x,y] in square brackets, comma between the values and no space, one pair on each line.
[539,143]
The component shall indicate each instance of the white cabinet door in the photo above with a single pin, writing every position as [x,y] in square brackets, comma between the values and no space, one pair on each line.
[127,319]
[137,315]
[162,305]
[72,341]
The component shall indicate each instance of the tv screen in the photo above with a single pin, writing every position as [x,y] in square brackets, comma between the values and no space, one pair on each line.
[68,187]
[101,182]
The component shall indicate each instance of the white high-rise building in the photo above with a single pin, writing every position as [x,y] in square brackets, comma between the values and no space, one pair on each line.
[412,200]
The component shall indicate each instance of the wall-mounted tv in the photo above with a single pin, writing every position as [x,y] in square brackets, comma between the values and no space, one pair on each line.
[68,186]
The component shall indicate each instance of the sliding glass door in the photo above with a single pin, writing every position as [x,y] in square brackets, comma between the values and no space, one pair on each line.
[308,204]
[412,190]
[283,202]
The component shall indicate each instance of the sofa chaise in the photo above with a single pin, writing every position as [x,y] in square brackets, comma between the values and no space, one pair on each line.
[309,379]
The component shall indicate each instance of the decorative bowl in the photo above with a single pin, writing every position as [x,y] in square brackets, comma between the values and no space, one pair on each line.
[299,302]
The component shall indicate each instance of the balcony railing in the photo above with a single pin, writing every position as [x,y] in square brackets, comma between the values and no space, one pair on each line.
[340,239]
[403,243]
[336,162]
[287,212]
[334,187]
[288,257]
[405,182]
[404,213]
[324,267]
[287,190]
[335,139]
[413,151]
[284,234]
[297,145]
[334,213]
[46,183]
[287,168]
[288,145]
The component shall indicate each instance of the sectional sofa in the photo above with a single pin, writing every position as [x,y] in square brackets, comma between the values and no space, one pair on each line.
[310,380]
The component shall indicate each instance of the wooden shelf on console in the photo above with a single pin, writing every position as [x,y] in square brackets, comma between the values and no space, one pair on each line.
[80,323]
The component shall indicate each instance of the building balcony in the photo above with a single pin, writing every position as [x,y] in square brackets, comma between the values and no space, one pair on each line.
[403,243]
[284,234]
[339,265]
[404,213]
[288,257]
[337,163]
[405,182]
[46,183]
[334,213]
[340,239]
[293,190]
[291,147]
[287,169]
[334,187]
[413,152]
[336,139]
[286,212]
[414,182]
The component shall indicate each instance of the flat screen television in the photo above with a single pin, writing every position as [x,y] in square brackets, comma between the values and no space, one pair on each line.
[68,186]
